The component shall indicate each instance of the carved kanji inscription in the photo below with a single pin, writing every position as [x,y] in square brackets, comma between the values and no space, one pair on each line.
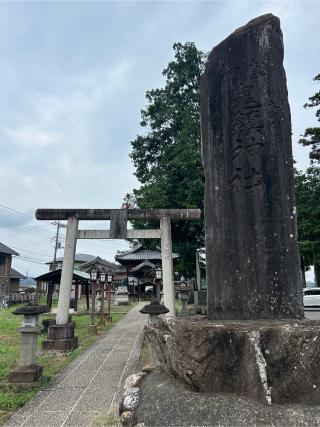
[247,159]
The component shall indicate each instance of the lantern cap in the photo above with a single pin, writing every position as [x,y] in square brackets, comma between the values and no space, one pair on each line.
[31,309]
[154,308]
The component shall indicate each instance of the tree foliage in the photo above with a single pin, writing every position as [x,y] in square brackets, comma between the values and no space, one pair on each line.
[167,155]
[307,188]
[311,136]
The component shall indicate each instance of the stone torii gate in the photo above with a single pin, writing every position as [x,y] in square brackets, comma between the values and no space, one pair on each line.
[63,331]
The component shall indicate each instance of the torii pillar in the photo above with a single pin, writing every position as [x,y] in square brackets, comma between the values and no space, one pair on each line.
[61,336]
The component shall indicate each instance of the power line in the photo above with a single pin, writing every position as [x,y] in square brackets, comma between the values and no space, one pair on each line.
[14,211]
[27,250]
[30,259]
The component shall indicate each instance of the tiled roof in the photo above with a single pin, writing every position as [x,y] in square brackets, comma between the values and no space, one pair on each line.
[137,254]
[77,258]
[6,250]
[14,274]
[111,265]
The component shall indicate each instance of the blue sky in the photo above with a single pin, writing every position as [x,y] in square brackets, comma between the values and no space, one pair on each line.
[73,80]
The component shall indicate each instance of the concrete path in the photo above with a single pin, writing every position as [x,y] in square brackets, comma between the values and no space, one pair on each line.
[91,383]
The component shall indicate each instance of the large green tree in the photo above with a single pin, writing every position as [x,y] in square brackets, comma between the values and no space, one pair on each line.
[166,155]
[307,188]
[311,136]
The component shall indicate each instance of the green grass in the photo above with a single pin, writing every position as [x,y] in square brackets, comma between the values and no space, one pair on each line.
[111,419]
[11,400]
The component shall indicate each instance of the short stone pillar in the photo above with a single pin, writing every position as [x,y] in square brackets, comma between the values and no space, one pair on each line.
[28,371]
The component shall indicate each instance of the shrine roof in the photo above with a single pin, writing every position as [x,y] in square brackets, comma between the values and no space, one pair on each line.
[138,253]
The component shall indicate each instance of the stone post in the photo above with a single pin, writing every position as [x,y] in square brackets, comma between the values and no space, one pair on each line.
[253,266]
[102,315]
[67,272]
[92,328]
[167,265]
[109,316]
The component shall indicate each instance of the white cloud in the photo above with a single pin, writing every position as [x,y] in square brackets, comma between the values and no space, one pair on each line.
[28,136]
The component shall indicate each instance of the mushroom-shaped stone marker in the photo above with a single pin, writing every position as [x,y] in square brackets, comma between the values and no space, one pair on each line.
[154,309]
[28,371]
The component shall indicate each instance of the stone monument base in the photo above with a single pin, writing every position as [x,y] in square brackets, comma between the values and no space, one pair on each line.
[269,361]
[25,374]
[61,338]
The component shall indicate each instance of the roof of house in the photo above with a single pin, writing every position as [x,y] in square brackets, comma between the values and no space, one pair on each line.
[78,258]
[107,264]
[115,268]
[6,250]
[14,274]
[77,274]
[138,253]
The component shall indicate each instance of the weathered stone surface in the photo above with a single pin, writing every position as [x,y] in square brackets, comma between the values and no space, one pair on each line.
[57,332]
[25,374]
[61,338]
[251,237]
[134,380]
[269,361]
[165,401]
[130,399]
[61,345]
[128,419]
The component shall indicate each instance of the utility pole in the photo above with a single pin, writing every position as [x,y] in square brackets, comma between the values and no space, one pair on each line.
[54,265]
[56,246]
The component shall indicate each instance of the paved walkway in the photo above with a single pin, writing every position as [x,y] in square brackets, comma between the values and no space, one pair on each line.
[91,383]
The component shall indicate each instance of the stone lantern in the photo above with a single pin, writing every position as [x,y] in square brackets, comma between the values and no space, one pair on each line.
[158,278]
[28,371]
[154,309]
[92,328]
[183,295]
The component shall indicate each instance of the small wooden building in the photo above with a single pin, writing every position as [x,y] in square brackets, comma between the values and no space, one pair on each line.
[9,278]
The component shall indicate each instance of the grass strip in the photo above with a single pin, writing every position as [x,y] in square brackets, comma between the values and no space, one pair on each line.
[11,400]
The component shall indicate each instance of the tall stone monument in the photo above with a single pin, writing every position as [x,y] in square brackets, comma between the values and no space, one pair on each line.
[251,235]
[253,274]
